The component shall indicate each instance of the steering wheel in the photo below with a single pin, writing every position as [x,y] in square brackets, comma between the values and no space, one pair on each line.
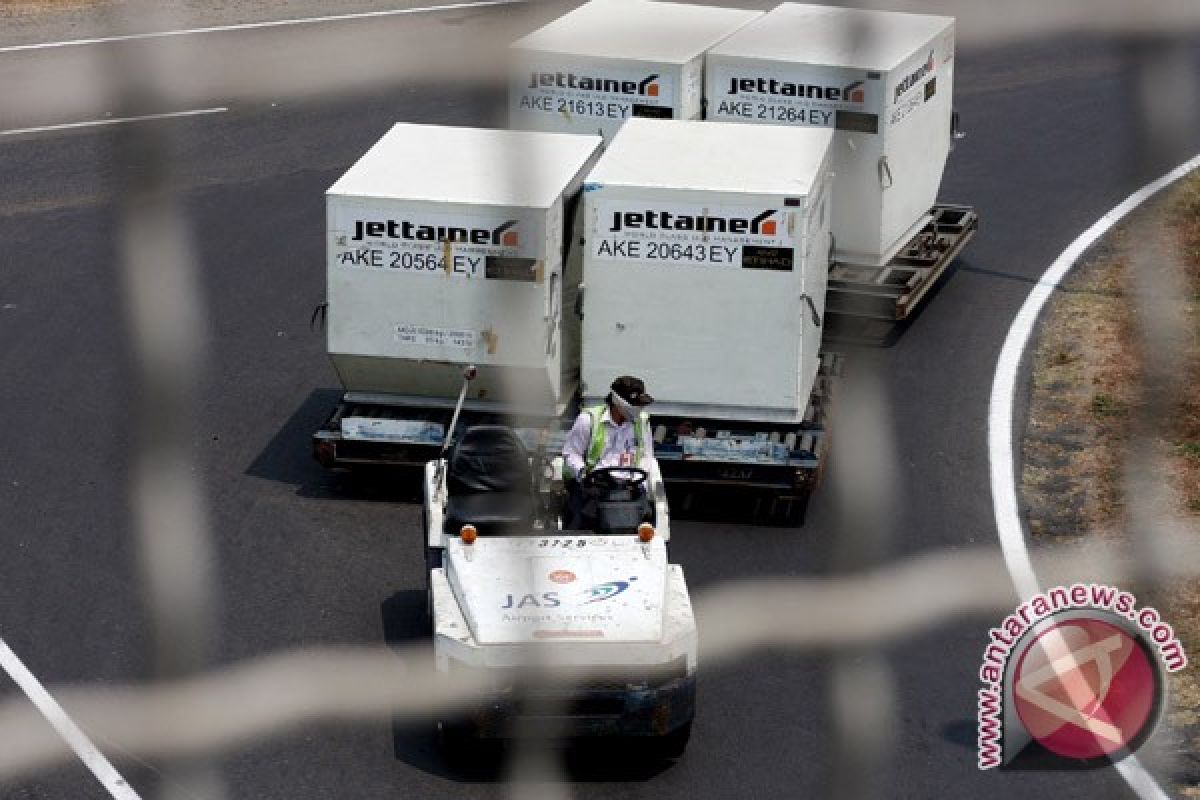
[615,478]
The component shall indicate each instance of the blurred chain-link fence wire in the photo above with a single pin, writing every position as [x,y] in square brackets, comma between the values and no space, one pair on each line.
[190,714]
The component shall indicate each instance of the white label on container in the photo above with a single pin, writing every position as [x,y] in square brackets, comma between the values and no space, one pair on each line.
[802,95]
[601,92]
[392,430]
[498,244]
[733,449]
[913,78]
[724,236]
[917,85]
[429,336]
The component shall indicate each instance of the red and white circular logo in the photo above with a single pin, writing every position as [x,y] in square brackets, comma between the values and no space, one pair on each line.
[1085,688]
[562,576]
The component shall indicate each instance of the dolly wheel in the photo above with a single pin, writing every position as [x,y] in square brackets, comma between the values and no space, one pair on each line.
[674,743]
[458,742]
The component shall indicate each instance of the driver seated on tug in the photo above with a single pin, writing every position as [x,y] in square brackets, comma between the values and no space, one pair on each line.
[614,434]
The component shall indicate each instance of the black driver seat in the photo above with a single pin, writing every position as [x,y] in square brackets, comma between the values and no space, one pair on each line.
[489,482]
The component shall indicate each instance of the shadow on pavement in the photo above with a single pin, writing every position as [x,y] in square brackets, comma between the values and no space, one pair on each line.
[415,742]
[582,761]
[731,505]
[288,458]
[404,618]
[963,732]
[848,331]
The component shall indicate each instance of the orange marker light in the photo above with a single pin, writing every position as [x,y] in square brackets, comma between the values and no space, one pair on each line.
[468,534]
[645,531]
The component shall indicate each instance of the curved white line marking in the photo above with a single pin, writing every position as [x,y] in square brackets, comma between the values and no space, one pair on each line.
[1000,420]
[247,26]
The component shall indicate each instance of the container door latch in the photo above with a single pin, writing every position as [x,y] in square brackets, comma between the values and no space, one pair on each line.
[552,313]
[579,302]
[885,173]
[816,315]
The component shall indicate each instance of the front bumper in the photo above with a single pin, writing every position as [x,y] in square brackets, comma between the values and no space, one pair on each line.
[584,711]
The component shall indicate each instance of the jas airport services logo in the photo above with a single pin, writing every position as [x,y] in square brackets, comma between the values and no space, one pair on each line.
[1075,678]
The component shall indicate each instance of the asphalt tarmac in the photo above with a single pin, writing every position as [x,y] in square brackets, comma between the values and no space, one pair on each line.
[307,557]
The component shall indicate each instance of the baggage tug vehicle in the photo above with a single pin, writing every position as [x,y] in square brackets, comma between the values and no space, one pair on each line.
[578,633]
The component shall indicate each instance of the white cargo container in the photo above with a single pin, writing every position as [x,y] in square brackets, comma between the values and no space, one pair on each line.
[610,60]
[882,80]
[446,247]
[705,271]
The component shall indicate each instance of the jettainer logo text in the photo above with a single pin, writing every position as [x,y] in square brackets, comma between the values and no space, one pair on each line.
[851,93]
[761,224]
[693,235]
[827,97]
[502,235]
[914,77]
[487,245]
[613,94]
[646,87]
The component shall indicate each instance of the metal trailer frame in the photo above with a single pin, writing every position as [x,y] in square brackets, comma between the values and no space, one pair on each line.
[893,291]
[781,488]
[333,450]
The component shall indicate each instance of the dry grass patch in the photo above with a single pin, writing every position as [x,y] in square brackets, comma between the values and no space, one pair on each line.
[1083,387]
[1086,391]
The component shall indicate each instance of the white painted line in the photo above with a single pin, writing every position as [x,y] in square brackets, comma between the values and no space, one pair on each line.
[114,121]
[247,26]
[91,757]
[1000,419]
[1140,781]
[1000,409]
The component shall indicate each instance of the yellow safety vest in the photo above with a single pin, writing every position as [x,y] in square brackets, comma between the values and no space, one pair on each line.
[596,446]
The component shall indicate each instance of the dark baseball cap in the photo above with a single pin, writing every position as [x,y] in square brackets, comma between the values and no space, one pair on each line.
[631,390]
